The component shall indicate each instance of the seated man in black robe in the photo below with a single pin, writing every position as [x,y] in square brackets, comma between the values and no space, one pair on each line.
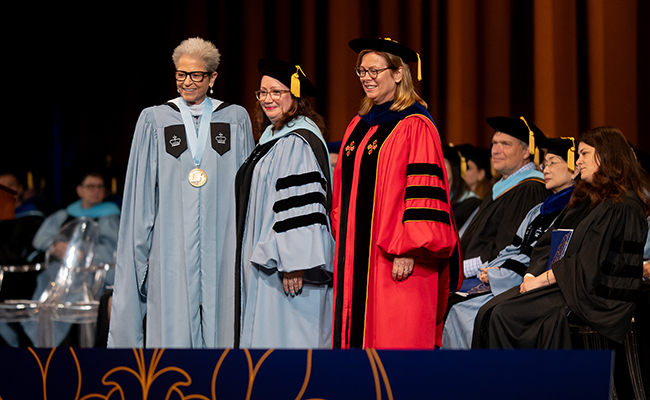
[502,210]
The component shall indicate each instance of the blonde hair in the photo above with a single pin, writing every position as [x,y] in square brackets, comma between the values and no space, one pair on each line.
[200,49]
[405,95]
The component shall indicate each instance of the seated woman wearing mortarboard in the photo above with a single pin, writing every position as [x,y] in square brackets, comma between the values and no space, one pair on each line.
[284,240]
[463,201]
[597,280]
[478,175]
[507,270]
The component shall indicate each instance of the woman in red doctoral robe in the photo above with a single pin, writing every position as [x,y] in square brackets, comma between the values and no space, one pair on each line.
[394,229]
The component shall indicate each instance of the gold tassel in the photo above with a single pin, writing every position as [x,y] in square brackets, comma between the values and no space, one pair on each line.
[30,180]
[570,155]
[537,156]
[419,67]
[114,185]
[531,137]
[295,82]
[463,166]
[295,85]
[531,142]
[463,162]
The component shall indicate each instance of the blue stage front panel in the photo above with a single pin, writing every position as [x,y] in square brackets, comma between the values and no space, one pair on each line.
[83,374]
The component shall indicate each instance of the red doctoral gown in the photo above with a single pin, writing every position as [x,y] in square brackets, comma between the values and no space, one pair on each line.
[391,199]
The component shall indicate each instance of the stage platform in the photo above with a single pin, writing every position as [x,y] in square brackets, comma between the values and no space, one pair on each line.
[83,374]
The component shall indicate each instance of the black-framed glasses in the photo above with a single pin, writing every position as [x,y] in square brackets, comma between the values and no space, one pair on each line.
[373,72]
[275,94]
[195,76]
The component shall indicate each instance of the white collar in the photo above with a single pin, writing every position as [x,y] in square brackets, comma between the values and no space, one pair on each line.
[197,109]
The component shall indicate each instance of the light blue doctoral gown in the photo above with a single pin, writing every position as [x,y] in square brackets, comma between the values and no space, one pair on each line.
[176,249]
[270,318]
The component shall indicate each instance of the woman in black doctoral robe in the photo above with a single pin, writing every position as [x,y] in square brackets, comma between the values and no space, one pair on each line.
[597,280]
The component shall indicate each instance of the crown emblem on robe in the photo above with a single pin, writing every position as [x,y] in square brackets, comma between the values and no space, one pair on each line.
[175,141]
[221,139]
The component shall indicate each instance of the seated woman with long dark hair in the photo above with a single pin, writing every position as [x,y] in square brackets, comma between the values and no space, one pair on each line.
[597,280]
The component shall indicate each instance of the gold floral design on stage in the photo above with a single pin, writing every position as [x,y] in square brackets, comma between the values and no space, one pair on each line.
[178,381]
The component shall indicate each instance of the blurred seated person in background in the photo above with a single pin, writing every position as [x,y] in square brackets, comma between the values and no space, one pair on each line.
[463,201]
[597,280]
[478,175]
[519,190]
[92,192]
[507,270]
[16,235]
[16,248]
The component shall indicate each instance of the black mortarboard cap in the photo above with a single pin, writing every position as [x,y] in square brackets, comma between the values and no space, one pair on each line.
[480,157]
[455,157]
[515,127]
[289,74]
[564,147]
[520,129]
[387,45]
[451,153]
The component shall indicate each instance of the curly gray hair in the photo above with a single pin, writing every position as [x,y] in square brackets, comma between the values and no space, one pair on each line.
[200,49]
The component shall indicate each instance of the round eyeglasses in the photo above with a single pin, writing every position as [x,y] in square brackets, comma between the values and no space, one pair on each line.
[195,76]
[373,72]
[545,164]
[275,94]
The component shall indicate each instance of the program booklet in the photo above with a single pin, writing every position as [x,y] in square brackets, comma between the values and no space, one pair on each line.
[472,286]
[559,242]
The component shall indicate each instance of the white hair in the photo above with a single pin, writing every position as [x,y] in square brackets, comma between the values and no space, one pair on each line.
[200,49]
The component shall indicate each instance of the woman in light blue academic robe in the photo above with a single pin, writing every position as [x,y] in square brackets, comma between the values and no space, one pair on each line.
[285,246]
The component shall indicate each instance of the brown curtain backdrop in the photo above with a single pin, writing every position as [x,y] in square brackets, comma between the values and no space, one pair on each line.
[567,65]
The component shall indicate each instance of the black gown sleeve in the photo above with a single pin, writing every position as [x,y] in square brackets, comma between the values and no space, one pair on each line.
[600,274]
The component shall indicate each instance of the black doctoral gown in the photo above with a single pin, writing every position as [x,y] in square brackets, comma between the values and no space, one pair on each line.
[598,281]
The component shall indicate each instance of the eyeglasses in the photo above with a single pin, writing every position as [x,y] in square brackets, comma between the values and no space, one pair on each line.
[93,187]
[275,94]
[373,72]
[545,164]
[195,76]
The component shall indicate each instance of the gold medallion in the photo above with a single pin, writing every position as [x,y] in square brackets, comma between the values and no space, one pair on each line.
[197,177]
